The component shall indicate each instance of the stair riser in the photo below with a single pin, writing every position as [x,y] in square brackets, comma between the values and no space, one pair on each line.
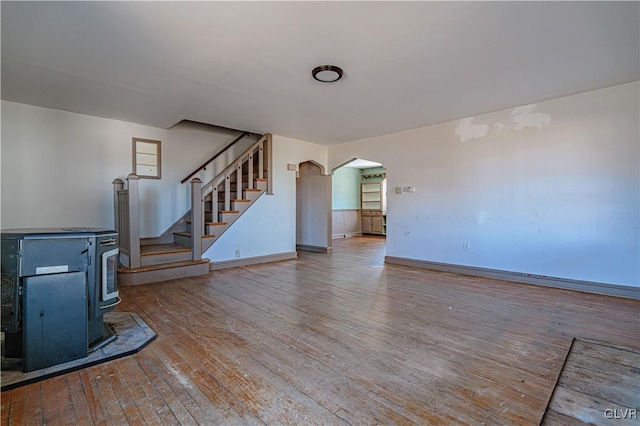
[162,275]
[261,184]
[228,217]
[216,230]
[240,206]
[252,195]
[159,259]
[183,240]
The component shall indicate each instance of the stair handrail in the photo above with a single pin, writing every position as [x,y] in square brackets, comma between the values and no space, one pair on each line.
[206,163]
[260,146]
[233,165]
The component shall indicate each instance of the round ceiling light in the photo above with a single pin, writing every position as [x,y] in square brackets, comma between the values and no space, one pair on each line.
[327,73]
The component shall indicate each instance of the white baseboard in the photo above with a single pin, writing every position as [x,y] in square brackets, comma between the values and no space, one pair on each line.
[316,249]
[345,235]
[233,263]
[564,283]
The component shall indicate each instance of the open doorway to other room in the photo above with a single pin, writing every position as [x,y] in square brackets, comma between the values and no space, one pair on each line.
[359,199]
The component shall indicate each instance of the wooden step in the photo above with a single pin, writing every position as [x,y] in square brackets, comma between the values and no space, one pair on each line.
[185,237]
[152,249]
[156,254]
[215,228]
[163,272]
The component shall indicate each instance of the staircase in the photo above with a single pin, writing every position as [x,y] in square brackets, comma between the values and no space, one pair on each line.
[215,207]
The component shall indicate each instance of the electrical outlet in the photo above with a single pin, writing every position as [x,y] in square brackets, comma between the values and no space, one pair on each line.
[465,245]
[237,253]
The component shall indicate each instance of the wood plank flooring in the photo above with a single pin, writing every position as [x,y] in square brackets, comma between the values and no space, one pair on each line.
[597,380]
[330,339]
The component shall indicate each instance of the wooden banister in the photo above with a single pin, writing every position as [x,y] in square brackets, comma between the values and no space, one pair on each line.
[197,218]
[215,156]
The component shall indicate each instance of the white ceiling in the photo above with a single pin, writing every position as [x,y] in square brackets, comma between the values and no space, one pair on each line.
[247,65]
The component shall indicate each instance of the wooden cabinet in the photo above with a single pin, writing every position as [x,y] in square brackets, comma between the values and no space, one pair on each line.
[377,225]
[366,223]
[373,207]
[373,222]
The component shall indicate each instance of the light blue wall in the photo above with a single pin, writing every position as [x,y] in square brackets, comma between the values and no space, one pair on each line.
[346,188]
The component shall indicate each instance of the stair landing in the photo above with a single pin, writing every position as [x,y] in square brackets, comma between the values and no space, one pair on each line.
[161,262]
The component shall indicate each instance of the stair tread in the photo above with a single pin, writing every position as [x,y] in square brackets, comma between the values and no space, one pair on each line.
[230,211]
[188,234]
[156,249]
[241,200]
[125,270]
[215,223]
[253,190]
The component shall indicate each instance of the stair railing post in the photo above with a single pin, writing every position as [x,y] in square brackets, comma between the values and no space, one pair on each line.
[261,160]
[267,146]
[134,221]
[197,222]
[250,171]
[227,192]
[239,179]
[118,185]
[214,204]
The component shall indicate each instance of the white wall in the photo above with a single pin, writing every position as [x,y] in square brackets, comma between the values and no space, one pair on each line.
[58,168]
[551,189]
[269,227]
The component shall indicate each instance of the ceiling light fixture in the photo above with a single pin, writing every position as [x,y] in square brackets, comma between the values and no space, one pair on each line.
[327,73]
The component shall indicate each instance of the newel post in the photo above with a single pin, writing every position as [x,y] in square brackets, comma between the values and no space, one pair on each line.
[197,222]
[134,221]
[118,185]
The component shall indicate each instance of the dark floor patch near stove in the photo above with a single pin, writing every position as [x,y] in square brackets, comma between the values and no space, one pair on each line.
[132,333]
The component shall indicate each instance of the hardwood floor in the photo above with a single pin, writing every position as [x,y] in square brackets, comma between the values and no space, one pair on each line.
[597,379]
[335,338]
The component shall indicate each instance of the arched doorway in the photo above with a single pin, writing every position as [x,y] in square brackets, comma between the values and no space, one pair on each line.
[313,208]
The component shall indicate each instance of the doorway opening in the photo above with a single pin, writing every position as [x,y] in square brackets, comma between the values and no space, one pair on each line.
[359,199]
[313,208]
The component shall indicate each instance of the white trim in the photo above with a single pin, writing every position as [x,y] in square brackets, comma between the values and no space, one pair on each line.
[315,249]
[556,282]
[346,235]
[233,263]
